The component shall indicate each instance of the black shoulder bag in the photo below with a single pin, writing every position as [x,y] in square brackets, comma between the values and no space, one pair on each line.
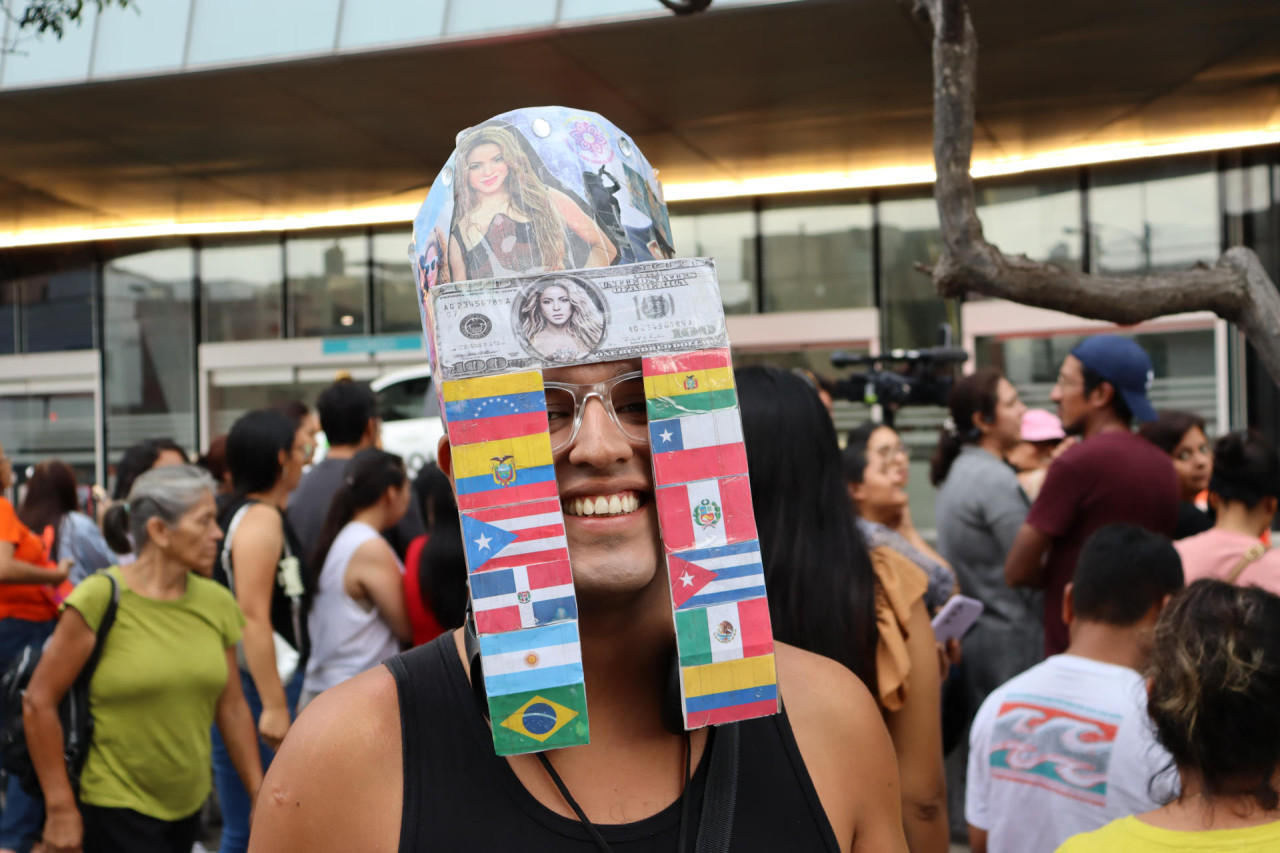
[77,723]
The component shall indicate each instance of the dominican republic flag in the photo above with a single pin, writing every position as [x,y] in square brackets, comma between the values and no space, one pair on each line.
[723,632]
[520,535]
[504,472]
[706,513]
[716,575]
[678,385]
[698,447]
[536,659]
[728,691]
[494,407]
[522,597]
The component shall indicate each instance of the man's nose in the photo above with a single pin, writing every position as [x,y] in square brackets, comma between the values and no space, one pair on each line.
[599,442]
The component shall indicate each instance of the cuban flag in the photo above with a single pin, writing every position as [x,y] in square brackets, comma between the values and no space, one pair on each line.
[698,447]
[710,576]
[537,659]
[519,535]
[706,513]
[522,597]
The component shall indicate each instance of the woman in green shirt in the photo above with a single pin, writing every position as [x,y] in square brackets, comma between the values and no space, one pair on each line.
[161,682]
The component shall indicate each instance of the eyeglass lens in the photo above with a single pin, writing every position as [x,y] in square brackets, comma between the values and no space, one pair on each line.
[625,400]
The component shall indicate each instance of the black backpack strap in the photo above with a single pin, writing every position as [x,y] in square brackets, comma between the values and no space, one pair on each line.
[720,797]
[108,619]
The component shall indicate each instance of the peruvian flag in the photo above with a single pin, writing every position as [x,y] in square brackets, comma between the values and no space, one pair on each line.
[706,513]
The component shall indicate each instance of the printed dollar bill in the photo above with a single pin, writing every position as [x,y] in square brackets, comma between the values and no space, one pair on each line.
[587,316]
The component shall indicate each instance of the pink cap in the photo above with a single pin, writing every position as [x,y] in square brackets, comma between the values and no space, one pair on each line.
[1039,425]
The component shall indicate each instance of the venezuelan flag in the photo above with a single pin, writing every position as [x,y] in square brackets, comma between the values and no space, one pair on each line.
[729,691]
[494,407]
[693,382]
[504,472]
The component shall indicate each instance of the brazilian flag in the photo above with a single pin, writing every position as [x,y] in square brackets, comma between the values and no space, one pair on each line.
[539,719]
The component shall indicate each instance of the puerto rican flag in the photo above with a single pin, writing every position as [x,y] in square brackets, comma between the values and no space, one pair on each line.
[706,513]
[708,576]
[520,535]
[698,447]
[523,597]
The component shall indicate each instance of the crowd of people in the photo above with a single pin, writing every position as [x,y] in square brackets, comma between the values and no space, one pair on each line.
[1117,691]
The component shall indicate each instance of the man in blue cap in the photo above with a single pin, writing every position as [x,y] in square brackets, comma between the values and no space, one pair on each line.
[1111,477]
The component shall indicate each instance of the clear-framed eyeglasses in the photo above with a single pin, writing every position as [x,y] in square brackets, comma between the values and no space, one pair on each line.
[622,397]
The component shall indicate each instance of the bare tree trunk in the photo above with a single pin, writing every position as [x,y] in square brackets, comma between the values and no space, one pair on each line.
[1236,287]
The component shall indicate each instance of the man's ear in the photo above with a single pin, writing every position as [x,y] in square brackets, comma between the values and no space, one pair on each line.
[444,458]
[1105,393]
[1068,603]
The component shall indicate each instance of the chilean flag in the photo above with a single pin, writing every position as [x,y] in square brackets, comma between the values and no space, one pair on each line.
[706,513]
[520,535]
[698,447]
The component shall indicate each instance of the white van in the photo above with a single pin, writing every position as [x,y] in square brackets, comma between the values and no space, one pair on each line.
[410,412]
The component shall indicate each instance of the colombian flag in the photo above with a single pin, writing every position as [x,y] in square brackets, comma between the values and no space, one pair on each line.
[698,447]
[504,472]
[492,408]
[706,513]
[740,629]
[539,719]
[729,691]
[678,385]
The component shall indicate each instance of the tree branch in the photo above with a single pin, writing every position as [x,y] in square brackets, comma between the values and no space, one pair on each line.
[1236,288]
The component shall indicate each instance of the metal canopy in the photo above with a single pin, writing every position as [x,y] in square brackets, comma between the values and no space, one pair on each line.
[812,86]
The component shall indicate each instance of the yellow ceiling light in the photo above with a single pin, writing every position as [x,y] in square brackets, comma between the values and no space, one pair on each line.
[1082,155]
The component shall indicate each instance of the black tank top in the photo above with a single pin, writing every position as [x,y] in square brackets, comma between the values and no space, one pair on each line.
[459,795]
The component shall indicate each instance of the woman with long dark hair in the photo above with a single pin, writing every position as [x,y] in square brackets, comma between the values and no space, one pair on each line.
[263,563]
[166,676]
[435,580]
[358,616]
[1182,435]
[1213,686]
[828,595]
[53,505]
[980,508]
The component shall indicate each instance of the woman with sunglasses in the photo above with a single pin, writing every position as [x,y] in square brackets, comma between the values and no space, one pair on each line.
[876,471]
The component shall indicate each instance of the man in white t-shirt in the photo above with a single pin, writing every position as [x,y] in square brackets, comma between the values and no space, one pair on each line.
[1067,746]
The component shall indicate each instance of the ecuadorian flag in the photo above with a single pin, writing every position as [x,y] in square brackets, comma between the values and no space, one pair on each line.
[729,691]
[504,472]
[494,407]
[678,385]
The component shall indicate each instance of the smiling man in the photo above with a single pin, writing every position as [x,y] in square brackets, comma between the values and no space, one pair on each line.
[403,757]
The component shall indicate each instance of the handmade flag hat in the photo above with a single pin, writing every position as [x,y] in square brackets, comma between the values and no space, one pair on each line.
[544,241]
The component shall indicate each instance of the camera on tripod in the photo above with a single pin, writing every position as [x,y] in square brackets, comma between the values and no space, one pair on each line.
[923,377]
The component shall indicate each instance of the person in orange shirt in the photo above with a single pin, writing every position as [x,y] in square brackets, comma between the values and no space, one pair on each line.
[29,599]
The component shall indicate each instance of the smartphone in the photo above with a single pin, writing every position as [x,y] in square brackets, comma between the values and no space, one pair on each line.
[956,617]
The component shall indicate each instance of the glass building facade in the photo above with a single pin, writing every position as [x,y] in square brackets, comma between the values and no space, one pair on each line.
[148,306]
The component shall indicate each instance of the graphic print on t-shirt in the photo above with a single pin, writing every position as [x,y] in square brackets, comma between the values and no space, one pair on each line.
[1065,749]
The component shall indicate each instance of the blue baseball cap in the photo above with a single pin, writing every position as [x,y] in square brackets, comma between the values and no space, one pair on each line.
[1125,365]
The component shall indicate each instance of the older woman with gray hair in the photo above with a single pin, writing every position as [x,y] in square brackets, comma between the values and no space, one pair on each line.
[162,680]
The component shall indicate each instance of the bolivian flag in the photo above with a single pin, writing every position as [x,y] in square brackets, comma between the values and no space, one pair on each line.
[699,381]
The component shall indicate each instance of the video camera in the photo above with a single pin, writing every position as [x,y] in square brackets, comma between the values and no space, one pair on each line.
[925,378]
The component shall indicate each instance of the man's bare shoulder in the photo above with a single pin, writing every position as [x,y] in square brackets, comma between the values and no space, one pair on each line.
[813,685]
[337,782]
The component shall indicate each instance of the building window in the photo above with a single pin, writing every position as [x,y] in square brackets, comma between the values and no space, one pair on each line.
[241,291]
[394,284]
[1156,216]
[730,238]
[911,311]
[8,318]
[57,310]
[817,257]
[40,426]
[328,282]
[1039,218]
[149,357]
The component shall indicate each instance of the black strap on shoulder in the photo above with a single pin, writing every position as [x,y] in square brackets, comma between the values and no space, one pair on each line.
[108,619]
[720,797]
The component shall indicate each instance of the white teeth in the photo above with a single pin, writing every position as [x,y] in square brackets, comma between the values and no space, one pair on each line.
[602,505]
